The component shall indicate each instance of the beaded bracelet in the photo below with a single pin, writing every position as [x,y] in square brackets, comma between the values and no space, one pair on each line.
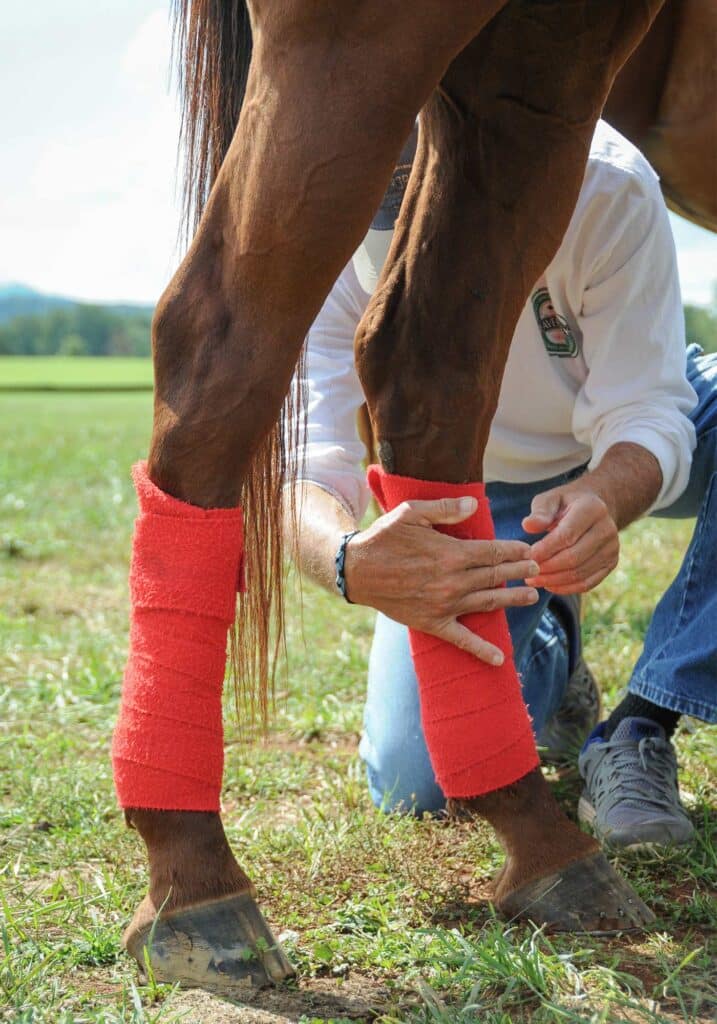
[340,563]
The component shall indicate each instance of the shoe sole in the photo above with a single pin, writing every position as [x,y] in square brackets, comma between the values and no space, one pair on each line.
[588,816]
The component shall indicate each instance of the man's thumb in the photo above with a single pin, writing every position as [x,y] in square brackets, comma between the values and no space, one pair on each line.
[544,510]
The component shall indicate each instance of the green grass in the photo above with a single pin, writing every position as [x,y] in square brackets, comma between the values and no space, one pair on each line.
[74,371]
[383,911]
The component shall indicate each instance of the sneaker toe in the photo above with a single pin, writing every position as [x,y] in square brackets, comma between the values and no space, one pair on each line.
[655,831]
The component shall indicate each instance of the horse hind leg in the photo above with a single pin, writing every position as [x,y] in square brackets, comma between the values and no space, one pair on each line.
[286,212]
[682,141]
[482,218]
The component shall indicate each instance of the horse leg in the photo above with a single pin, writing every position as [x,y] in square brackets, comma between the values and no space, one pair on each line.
[663,101]
[294,196]
[682,140]
[501,156]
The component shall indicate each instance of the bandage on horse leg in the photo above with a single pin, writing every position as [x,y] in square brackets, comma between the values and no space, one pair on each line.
[475,721]
[168,744]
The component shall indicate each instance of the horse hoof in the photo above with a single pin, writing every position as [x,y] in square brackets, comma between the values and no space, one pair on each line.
[585,896]
[224,946]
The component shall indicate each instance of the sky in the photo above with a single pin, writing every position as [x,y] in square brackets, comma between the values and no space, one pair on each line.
[88,143]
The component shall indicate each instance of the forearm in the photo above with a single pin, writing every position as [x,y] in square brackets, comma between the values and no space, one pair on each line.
[628,479]
[321,522]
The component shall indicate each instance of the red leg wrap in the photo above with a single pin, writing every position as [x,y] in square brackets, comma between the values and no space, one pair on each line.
[475,721]
[168,748]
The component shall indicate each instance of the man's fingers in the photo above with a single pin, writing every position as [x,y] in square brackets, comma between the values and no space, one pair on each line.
[491,600]
[593,541]
[600,562]
[443,511]
[496,575]
[578,588]
[577,520]
[480,553]
[464,639]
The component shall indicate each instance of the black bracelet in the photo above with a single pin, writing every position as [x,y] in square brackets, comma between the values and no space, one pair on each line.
[340,563]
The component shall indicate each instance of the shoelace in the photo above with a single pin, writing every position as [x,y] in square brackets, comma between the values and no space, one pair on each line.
[645,774]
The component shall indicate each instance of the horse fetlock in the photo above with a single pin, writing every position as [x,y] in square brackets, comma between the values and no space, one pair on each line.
[199,923]
[190,859]
[536,835]
[554,875]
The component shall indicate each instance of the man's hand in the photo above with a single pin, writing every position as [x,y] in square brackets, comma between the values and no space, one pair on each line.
[582,519]
[582,545]
[404,568]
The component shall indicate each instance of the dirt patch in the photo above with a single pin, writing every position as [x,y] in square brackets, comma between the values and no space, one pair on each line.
[356,999]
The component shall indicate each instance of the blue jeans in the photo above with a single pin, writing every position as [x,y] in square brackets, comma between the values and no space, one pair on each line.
[677,668]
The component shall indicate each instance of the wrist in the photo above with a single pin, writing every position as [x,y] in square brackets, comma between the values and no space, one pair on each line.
[605,491]
[341,560]
[628,479]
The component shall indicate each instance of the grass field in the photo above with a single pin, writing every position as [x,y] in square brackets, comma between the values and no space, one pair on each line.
[383,916]
[74,371]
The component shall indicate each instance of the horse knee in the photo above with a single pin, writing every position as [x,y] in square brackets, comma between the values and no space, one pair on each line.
[198,383]
[193,335]
[424,411]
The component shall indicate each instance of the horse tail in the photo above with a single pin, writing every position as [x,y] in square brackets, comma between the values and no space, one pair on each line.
[212,47]
[212,50]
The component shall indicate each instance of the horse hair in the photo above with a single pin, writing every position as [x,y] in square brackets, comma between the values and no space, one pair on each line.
[212,47]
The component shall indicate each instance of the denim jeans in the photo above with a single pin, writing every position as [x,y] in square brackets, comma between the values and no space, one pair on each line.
[677,668]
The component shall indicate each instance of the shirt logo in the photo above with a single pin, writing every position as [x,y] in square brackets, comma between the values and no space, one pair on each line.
[555,331]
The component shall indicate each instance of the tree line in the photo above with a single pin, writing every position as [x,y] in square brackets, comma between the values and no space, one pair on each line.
[86,330]
[79,330]
[701,325]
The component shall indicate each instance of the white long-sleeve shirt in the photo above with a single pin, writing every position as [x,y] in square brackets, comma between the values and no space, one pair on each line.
[597,358]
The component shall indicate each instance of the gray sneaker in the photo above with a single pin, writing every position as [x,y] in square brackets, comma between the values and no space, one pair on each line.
[631,798]
[561,739]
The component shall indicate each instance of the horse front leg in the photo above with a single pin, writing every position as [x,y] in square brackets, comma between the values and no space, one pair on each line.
[297,190]
[502,151]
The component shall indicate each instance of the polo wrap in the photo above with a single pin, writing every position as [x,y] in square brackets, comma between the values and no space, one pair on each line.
[475,721]
[168,745]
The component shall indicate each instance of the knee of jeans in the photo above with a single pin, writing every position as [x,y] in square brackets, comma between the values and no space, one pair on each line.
[400,780]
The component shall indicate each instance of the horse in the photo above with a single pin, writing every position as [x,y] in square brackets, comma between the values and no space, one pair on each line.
[663,100]
[295,113]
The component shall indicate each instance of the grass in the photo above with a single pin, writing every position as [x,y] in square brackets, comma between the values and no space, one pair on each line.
[51,372]
[382,915]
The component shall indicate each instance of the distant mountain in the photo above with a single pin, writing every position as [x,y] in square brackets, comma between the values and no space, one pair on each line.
[33,324]
[20,300]
[14,288]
